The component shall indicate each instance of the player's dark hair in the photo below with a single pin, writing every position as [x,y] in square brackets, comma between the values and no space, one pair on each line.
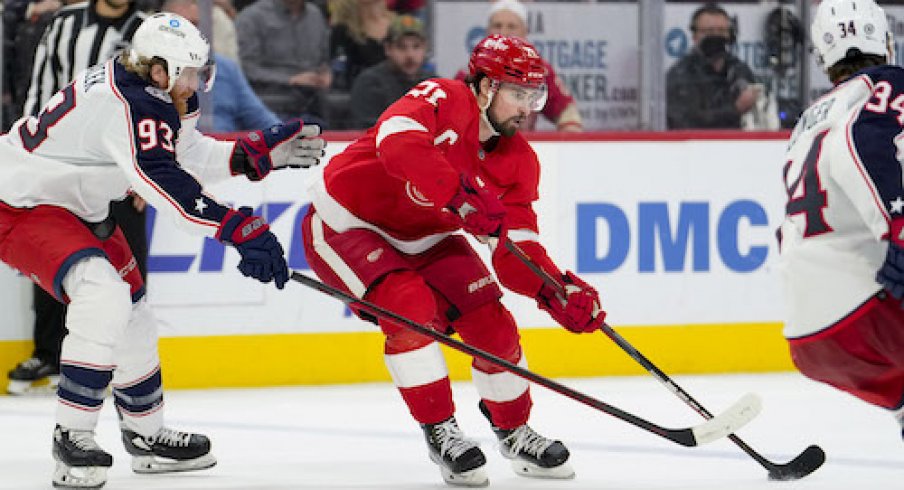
[708,8]
[473,81]
[852,63]
[713,8]
[143,67]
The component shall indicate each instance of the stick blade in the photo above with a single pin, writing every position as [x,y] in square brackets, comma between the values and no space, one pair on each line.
[729,421]
[805,463]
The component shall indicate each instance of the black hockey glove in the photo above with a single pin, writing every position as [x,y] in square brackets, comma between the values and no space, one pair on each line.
[891,274]
[262,255]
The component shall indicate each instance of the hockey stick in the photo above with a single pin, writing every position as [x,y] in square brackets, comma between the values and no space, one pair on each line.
[805,463]
[715,428]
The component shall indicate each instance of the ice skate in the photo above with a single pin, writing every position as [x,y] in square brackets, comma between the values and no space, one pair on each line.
[168,451]
[460,459]
[531,454]
[33,376]
[80,462]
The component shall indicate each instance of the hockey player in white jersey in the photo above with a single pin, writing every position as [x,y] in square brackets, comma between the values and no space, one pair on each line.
[842,246]
[128,125]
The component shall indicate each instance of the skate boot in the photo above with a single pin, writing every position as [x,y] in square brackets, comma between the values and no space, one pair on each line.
[80,462]
[460,460]
[532,455]
[33,376]
[168,451]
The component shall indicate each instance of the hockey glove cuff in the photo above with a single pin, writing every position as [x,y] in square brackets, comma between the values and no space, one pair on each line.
[290,145]
[891,273]
[480,211]
[579,311]
[262,257]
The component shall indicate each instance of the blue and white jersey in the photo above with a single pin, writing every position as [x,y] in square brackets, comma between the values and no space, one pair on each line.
[843,176]
[107,133]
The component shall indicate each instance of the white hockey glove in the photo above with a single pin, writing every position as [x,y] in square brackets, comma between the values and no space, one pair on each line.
[290,145]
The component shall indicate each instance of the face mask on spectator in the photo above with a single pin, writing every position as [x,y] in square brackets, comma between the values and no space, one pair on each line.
[714,47]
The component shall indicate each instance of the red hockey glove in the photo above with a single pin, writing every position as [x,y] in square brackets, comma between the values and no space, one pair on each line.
[262,255]
[480,211]
[891,274]
[579,311]
[293,144]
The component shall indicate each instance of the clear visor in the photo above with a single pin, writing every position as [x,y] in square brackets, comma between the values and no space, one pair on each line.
[534,99]
[198,79]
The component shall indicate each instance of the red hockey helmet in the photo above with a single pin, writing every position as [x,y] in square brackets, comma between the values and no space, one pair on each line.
[508,60]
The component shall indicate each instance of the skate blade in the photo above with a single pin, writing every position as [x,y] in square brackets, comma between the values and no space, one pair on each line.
[66,476]
[42,387]
[531,470]
[471,478]
[154,464]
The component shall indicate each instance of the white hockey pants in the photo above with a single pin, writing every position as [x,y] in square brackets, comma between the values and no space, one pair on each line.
[109,340]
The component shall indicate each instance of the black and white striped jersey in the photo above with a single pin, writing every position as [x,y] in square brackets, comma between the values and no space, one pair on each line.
[75,39]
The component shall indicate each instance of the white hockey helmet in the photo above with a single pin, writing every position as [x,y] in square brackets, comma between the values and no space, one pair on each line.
[842,25]
[175,39]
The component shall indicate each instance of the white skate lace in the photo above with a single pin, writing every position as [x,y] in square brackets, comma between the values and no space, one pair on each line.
[524,439]
[83,439]
[31,363]
[172,437]
[452,440]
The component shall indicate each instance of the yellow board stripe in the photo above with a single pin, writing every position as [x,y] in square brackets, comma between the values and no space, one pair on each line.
[330,358]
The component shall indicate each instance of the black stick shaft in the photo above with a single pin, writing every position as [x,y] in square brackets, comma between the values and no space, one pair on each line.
[684,437]
[637,356]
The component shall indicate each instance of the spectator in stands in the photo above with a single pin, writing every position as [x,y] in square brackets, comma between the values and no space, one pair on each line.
[284,50]
[225,40]
[356,40]
[379,86]
[235,105]
[709,87]
[413,7]
[509,18]
[241,4]
[24,22]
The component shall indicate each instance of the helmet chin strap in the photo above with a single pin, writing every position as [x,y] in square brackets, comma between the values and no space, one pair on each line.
[494,85]
[135,58]
[890,44]
[172,79]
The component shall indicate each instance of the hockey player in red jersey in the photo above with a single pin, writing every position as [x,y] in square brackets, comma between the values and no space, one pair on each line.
[128,125]
[384,225]
[845,213]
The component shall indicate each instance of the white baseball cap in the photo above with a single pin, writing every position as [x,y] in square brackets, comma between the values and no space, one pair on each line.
[513,6]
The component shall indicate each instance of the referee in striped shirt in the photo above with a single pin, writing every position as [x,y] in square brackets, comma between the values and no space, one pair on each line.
[80,35]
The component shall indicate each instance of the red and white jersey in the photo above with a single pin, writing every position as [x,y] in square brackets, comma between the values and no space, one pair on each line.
[398,177]
[844,181]
[106,133]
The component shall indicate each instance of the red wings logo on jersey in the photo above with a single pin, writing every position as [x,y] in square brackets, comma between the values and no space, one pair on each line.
[416,196]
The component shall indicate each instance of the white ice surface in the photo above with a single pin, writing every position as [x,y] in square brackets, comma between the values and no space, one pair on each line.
[361,437]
